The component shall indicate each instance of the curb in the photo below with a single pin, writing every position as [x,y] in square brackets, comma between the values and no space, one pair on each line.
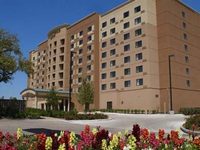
[189,131]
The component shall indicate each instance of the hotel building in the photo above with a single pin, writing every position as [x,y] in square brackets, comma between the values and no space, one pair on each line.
[126,53]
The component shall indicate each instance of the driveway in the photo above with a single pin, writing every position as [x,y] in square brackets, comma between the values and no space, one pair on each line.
[115,123]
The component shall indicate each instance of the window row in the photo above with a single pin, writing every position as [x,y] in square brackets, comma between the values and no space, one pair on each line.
[125,15]
[62,42]
[89,29]
[127,71]
[127,59]
[138,32]
[138,44]
[127,83]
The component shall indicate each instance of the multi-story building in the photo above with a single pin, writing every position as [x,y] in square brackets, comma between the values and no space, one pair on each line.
[126,53]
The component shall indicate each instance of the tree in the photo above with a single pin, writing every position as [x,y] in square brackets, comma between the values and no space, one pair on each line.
[53,99]
[85,95]
[11,57]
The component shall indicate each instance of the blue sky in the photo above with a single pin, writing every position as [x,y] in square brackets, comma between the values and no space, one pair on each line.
[32,19]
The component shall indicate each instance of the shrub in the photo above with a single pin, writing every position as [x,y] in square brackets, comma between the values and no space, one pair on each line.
[193,123]
[190,111]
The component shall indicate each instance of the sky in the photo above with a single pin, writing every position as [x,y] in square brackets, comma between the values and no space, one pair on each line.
[31,20]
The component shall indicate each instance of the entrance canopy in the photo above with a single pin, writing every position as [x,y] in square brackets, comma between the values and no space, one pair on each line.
[29,92]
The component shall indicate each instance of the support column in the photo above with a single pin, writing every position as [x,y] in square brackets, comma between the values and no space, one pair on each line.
[64,104]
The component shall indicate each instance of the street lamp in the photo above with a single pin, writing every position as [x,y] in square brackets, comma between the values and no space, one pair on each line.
[170,82]
[70,80]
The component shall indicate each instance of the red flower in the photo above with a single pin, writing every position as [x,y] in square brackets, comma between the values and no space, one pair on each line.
[161,134]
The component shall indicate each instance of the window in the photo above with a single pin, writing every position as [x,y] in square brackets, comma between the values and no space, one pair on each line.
[89,67]
[112,85]
[183,14]
[103,65]
[126,36]
[139,82]
[80,42]
[103,54]
[126,25]
[54,76]
[54,59]
[104,44]
[89,28]
[127,83]
[89,38]
[138,44]
[112,41]
[53,83]
[60,84]
[138,20]
[112,52]
[60,75]
[188,83]
[72,37]
[89,57]
[89,47]
[80,70]
[79,80]
[112,74]
[112,20]
[104,34]
[138,56]
[185,36]
[80,33]
[126,14]
[186,59]
[127,71]
[127,59]
[139,69]
[138,32]
[80,51]
[54,67]
[186,47]
[88,78]
[61,66]
[103,76]
[103,87]
[54,51]
[104,24]
[184,25]
[137,9]
[62,58]
[112,63]
[80,60]
[62,50]
[126,47]
[62,41]
[112,31]
[55,43]
[187,71]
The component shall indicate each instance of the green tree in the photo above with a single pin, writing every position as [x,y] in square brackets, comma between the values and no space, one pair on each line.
[53,99]
[85,95]
[11,57]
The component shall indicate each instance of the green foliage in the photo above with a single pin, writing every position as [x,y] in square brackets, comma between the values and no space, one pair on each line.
[86,94]
[11,58]
[53,99]
[193,122]
[190,111]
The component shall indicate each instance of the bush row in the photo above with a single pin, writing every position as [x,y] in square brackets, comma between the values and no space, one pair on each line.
[190,111]
[128,111]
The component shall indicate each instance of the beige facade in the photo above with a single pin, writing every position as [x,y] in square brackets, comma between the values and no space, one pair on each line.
[136,68]
[124,52]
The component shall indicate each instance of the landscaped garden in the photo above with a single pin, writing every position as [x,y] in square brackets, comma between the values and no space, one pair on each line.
[99,139]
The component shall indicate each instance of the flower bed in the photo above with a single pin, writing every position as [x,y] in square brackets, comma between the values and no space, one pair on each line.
[99,139]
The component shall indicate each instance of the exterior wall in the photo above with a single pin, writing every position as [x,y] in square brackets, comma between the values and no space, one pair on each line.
[134,96]
[58,70]
[38,58]
[171,41]
[74,45]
